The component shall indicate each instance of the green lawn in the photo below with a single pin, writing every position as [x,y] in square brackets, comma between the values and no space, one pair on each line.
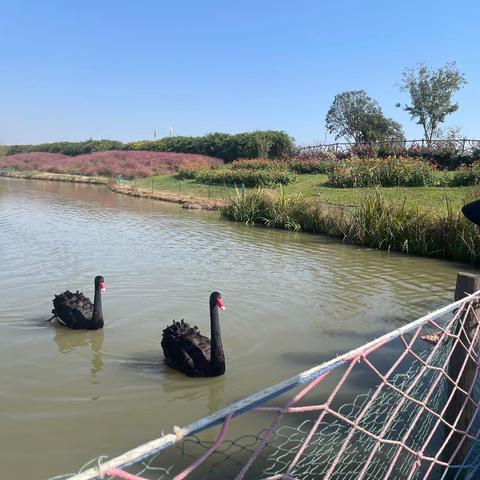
[314,186]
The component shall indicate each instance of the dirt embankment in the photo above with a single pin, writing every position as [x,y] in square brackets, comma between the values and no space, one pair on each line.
[57,177]
[186,201]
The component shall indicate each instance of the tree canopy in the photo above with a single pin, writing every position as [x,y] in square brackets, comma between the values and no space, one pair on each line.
[431,94]
[357,117]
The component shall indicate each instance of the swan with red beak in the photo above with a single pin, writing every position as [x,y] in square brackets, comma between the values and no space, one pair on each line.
[191,353]
[76,311]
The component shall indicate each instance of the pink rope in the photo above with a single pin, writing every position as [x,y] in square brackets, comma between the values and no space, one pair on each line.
[116,472]
[212,448]
[402,402]
[369,404]
[276,422]
[321,416]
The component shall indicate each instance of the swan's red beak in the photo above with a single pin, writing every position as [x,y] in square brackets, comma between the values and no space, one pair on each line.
[102,286]
[220,303]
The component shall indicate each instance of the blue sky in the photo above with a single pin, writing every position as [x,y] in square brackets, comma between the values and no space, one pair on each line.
[71,70]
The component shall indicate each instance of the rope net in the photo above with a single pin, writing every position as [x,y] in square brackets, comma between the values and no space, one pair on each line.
[414,415]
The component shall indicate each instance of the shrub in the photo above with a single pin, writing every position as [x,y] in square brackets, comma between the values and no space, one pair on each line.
[466,175]
[257,164]
[67,148]
[250,178]
[309,166]
[111,163]
[318,155]
[269,144]
[187,173]
[294,164]
[388,172]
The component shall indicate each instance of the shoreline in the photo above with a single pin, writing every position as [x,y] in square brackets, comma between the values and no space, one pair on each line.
[185,201]
[432,236]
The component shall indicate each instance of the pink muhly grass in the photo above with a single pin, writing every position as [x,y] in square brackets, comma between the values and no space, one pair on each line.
[130,164]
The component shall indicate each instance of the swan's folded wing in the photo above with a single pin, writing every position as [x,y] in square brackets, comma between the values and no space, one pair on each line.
[198,347]
[72,309]
[185,354]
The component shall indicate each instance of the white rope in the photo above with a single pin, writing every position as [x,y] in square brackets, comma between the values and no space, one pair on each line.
[165,441]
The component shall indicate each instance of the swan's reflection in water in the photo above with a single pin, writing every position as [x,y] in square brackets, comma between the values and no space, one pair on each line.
[216,394]
[210,391]
[69,340]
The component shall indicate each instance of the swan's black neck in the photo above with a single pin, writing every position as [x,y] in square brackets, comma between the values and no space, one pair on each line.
[97,316]
[217,357]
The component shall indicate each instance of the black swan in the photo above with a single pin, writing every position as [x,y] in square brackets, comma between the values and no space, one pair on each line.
[472,211]
[76,311]
[191,353]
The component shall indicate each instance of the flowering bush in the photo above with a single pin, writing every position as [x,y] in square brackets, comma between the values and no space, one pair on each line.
[250,178]
[312,166]
[257,164]
[466,175]
[300,164]
[388,172]
[130,164]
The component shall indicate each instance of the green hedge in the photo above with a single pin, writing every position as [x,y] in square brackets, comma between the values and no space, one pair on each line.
[268,144]
[296,165]
[466,175]
[66,148]
[309,167]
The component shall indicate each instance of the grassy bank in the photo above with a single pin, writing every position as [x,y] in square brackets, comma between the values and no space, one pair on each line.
[376,222]
[314,187]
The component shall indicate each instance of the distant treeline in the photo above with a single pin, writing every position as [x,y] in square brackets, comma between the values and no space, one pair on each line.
[267,144]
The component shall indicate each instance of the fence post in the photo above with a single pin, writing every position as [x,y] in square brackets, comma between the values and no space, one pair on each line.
[456,412]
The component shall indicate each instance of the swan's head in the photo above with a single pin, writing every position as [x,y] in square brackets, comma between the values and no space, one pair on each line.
[216,300]
[100,283]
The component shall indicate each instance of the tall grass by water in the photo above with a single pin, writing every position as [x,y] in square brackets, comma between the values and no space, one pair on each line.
[373,222]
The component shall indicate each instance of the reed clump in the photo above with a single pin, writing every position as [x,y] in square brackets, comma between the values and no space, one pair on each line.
[374,222]
[387,172]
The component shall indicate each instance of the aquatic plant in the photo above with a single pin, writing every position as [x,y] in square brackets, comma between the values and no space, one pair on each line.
[373,222]
[246,206]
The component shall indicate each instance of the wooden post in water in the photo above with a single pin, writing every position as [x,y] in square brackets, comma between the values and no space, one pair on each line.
[467,283]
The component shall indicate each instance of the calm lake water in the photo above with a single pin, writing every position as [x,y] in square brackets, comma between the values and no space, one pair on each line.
[293,300]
